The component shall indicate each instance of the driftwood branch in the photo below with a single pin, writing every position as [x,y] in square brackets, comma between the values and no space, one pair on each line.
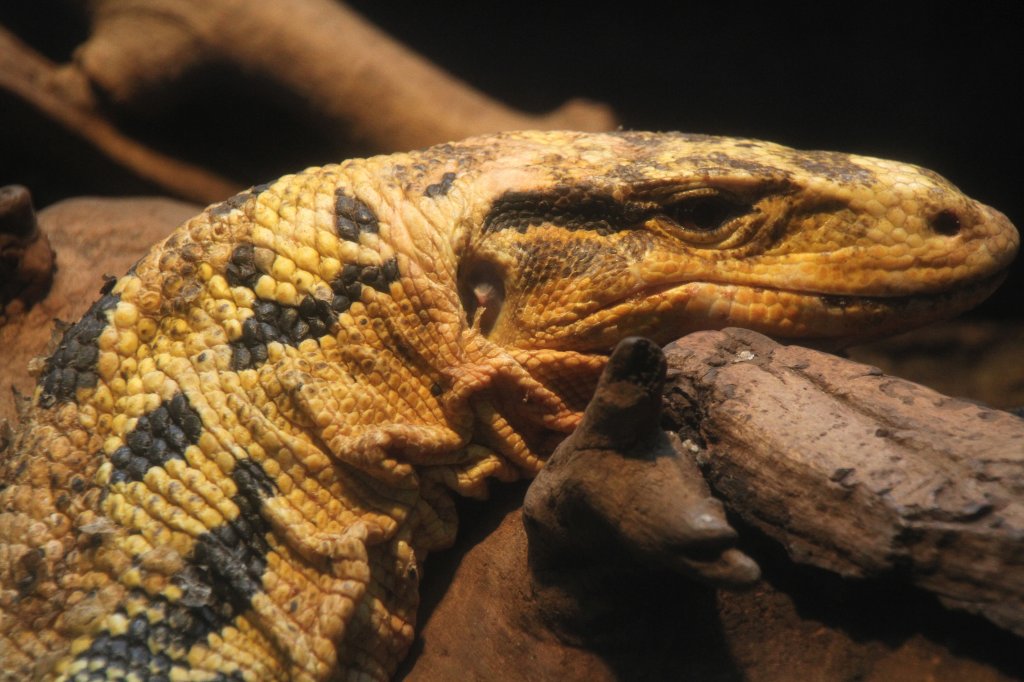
[857,472]
[319,51]
[331,70]
[63,96]
[618,512]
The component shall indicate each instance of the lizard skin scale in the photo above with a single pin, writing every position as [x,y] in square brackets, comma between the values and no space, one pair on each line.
[235,464]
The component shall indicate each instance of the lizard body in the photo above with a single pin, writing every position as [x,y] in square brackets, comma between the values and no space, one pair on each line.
[237,460]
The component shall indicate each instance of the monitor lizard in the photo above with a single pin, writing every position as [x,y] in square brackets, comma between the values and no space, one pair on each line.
[236,462]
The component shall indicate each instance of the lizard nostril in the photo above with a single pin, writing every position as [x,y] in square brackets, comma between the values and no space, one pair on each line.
[946,222]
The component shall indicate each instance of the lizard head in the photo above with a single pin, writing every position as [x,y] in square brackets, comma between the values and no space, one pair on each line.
[660,235]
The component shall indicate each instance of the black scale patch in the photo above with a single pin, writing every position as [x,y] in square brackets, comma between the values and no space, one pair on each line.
[126,654]
[292,325]
[272,321]
[440,189]
[348,286]
[225,568]
[241,268]
[237,201]
[158,437]
[222,574]
[230,559]
[141,649]
[569,207]
[73,364]
[352,216]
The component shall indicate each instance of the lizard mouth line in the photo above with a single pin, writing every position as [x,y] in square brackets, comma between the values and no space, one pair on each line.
[834,299]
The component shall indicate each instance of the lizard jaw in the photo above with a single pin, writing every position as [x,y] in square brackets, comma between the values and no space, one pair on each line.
[828,320]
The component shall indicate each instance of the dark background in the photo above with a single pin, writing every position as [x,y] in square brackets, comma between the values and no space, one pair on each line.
[933,86]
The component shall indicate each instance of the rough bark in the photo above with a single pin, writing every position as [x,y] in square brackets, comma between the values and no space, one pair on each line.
[857,472]
[618,497]
[479,622]
[618,509]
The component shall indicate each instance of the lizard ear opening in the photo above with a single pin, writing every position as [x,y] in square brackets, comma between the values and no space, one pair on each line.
[482,290]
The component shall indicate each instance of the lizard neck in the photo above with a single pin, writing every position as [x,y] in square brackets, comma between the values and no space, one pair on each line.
[515,403]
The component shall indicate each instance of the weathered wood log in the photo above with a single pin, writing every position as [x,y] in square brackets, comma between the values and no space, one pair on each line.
[48,102]
[857,472]
[655,511]
[321,52]
[334,72]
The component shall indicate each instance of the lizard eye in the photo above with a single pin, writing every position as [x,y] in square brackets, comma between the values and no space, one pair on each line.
[702,212]
[704,218]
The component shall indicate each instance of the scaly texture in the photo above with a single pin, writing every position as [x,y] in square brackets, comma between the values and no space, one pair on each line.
[238,458]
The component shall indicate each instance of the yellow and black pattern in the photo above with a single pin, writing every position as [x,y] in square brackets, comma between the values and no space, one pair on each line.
[73,364]
[238,458]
